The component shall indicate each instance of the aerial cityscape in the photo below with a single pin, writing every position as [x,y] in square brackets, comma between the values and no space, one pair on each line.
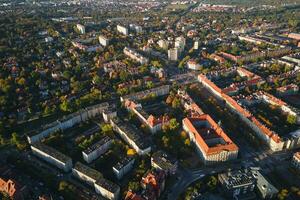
[149,99]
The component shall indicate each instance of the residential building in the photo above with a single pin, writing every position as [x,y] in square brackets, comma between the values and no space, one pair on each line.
[133,54]
[290,89]
[154,124]
[93,152]
[104,41]
[180,43]
[193,65]
[295,36]
[136,28]
[107,189]
[122,29]
[163,44]
[239,184]
[153,182]
[80,28]
[274,142]
[162,161]
[86,174]
[265,189]
[52,156]
[296,160]
[131,135]
[123,167]
[211,142]
[67,122]
[173,54]
[158,91]
[13,189]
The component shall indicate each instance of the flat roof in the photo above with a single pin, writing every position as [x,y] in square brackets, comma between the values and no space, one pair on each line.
[122,163]
[97,145]
[92,173]
[108,185]
[133,133]
[52,152]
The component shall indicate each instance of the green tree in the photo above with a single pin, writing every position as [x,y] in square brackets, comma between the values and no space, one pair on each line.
[173,124]
[291,119]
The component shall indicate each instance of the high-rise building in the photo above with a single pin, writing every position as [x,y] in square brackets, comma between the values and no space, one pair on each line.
[81,28]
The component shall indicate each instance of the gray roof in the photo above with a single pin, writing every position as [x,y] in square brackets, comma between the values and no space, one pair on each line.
[97,145]
[92,173]
[52,152]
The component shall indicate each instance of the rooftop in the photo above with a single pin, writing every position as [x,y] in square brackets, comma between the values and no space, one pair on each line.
[92,173]
[52,152]
[97,145]
[125,161]
[108,185]
[237,178]
[133,133]
[209,135]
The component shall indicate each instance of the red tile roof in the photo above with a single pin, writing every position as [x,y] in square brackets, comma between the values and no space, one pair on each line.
[229,146]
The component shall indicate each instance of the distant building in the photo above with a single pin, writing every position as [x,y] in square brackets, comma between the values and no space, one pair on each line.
[163,44]
[162,161]
[133,54]
[180,43]
[122,29]
[212,143]
[86,174]
[107,189]
[123,167]
[97,149]
[290,89]
[52,156]
[158,91]
[173,54]
[104,41]
[193,65]
[238,184]
[295,36]
[296,160]
[136,28]
[81,28]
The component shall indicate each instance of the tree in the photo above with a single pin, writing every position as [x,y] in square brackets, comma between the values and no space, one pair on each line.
[107,129]
[124,76]
[291,119]
[175,103]
[173,124]
[65,106]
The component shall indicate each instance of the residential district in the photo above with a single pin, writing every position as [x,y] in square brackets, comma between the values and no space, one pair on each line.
[146,100]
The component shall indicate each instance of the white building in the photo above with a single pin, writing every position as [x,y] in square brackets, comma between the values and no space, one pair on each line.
[136,28]
[107,189]
[86,174]
[163,44]
[123,167]
[180,43]
[104,41]
[133,54]
[52,156]
[67,122]
[122,29]
[97,149]
[132,136]
[173,54]
[193,65]
[80,28]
